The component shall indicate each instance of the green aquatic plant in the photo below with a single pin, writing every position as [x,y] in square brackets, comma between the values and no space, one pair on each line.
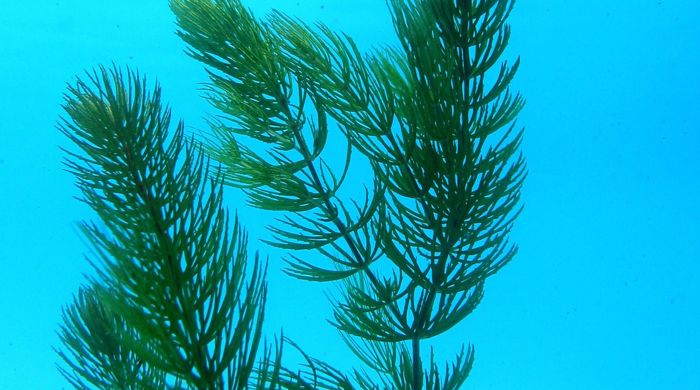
[169,301]
[171,307]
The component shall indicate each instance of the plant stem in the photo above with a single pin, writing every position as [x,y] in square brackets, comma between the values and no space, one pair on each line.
[189,333]
[417,364]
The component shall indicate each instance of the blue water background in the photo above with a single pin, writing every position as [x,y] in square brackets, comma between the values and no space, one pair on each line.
[604,292]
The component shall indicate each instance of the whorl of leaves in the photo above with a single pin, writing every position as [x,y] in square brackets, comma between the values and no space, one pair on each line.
[169,305]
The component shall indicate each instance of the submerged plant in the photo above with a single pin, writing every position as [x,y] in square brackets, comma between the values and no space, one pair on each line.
[434,117]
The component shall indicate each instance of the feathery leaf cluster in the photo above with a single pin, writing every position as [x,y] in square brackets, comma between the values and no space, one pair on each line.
[169,304]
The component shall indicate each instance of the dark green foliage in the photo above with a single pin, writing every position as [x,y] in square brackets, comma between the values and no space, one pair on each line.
[448,177]
[170,298]
[96,338]
[433,117]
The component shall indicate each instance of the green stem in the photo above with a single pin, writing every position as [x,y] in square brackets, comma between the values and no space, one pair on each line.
[188,328]
[417,364]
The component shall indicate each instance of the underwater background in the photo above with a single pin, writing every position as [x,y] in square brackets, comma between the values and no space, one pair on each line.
[605,291]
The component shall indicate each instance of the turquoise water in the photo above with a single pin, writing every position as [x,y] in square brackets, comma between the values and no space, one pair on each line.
[604,292]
